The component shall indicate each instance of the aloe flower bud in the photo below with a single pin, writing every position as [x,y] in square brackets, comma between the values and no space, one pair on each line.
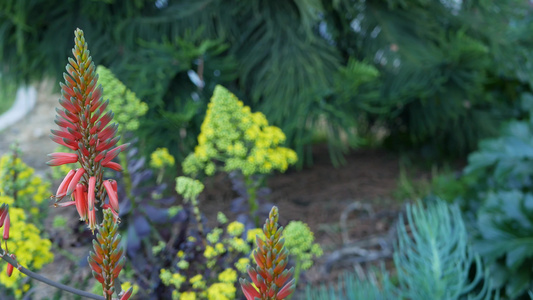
[9,270]
[271,257]
[85,128]
[3,213]
[7,224]
[107,259]
[126,295]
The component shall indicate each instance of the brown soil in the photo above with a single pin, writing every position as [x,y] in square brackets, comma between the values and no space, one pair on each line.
[316,195]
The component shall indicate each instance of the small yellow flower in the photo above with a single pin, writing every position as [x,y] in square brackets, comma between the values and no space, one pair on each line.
[235,228]
[209,252]
[188,296]
[252,233]
[242,263]
[229,276]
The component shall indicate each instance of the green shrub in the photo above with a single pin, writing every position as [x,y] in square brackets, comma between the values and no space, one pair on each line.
[498,201]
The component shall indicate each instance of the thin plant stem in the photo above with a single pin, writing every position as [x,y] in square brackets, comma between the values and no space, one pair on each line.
[50,282]
[252,198]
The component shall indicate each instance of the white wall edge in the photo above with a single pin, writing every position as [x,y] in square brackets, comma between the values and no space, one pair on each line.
[24,102]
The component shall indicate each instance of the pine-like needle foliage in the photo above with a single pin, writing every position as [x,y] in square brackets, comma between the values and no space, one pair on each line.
[436,73]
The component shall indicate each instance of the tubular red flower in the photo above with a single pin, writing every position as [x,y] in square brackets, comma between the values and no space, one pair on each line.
[62,190]
[91,192]
[113,153]
[80,197]
[61,158]
[63,134]
[286,290]
[65,204]
[92,219]
[113,166]
[113,198]
[75,180]
[62,141]
[127,294]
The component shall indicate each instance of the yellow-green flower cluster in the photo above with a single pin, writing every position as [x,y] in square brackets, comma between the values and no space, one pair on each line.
[160,159]
[26,243]
[242,140]
[299,241]
[189,188]
[18,178]
[125,105]
[220,284]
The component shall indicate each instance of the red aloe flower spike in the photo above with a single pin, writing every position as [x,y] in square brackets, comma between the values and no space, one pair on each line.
[270,276]
[60,158]
[81,201]
[7,224]
[113,197]
[86,128]
[75,180]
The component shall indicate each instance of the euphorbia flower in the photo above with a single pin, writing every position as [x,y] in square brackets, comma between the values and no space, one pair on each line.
[87,130]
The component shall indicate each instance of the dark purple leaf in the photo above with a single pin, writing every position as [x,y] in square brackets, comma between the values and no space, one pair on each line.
[136,165]
[125,207]
[156,214]
[142,227]
[133,242]
[239,205]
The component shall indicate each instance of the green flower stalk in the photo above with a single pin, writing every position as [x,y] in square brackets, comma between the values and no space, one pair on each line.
[190,189]
[270,276]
